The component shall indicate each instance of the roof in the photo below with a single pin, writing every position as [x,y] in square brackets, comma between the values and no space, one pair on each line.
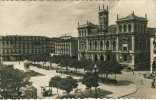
[88,24]
[20,37]
[132,16]
[151,31]
[112,29]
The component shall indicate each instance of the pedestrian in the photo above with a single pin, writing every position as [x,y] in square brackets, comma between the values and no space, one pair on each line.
[152,84]
[141,82]
[133,72]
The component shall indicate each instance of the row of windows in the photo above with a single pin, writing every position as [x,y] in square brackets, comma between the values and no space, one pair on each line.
[62,43]
[62,47]
[62,52]
[27,47]
[95,46]
[101,45]
[26,42]
[82,31]
[128,28]
[22,51]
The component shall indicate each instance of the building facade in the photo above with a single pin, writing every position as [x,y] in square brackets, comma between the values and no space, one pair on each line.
[52,45]
[15,48]
[66,45]
[152,50]
[127,41]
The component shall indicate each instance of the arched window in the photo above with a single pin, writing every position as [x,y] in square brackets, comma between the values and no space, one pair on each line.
[144,28]
[129,28]
[125,28]
[107,45]
[141,28]
[90,45]
[108,57]
[101,45]
[114,57]
[120,28]
[82,32]
[114,45]
[95,45]
[95,58]
[138,28]
[101,58]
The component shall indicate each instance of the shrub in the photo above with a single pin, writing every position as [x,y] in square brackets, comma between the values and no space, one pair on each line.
[68,96]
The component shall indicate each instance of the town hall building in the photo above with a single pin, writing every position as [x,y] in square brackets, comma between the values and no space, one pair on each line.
[128,41]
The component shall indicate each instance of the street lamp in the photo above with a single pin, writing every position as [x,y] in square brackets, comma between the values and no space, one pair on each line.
[96,79]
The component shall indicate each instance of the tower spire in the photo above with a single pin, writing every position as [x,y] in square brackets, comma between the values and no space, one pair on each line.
[133,12]
[117,16]
[107,7]
[103,7]
[146,15]
[99,8]
[78,23]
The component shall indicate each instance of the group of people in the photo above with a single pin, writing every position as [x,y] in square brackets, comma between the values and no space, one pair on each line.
[153,81]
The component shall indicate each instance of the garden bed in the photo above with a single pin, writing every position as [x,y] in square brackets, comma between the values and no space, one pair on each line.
[87,94]
[73,73]
[108,81]
[33,73]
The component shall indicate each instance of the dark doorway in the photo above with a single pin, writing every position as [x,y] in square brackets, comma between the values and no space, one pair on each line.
[95,58]
[101,58]
[108,57]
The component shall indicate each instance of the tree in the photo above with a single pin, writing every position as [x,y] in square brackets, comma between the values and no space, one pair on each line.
[75,64]
[56,59]
[116,68]
[108,67]
[86,64]
[89,66]
[68,84]
[90,80]
[12,80]
[54,81]
[64,63]
[101,67]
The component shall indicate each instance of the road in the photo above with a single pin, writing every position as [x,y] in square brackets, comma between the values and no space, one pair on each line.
[144,90]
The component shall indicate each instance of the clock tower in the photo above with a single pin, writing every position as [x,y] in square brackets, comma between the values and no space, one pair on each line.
[103,18]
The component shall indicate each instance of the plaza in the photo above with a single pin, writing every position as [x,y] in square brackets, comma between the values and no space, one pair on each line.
[128,85]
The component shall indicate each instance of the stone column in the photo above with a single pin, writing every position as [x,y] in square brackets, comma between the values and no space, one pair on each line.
[133,43]
[132,27]
[86,44]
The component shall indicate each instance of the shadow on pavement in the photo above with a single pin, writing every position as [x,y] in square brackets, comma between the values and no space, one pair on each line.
[122,83]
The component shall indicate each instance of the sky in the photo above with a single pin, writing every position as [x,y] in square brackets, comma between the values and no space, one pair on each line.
[53,18]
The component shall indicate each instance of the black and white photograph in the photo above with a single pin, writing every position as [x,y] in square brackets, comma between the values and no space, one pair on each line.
[77,49]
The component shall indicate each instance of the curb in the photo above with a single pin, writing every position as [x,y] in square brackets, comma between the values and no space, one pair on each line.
[129,93]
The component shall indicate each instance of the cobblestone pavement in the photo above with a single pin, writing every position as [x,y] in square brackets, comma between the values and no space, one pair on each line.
[123,87]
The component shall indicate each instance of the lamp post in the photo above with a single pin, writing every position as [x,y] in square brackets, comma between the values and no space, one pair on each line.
[96,79]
